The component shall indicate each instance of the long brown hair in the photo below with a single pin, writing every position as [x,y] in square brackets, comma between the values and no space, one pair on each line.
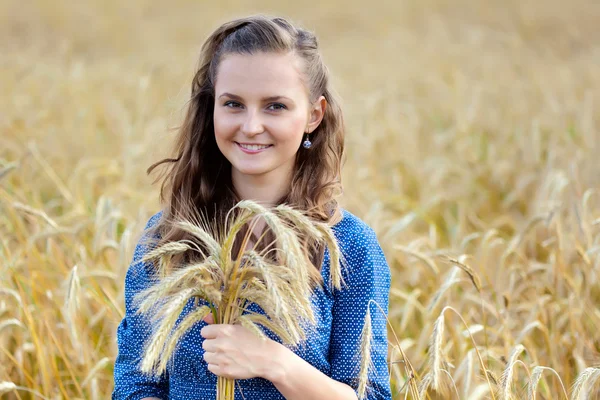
[198,180]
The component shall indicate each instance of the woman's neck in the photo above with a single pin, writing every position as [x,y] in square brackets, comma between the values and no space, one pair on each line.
[265,189]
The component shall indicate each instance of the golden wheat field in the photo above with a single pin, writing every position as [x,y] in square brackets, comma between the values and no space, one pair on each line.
[473,150]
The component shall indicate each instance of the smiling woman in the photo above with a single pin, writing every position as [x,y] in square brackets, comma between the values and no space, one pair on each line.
[264,125]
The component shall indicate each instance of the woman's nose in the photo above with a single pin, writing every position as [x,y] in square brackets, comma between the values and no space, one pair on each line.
[253,123]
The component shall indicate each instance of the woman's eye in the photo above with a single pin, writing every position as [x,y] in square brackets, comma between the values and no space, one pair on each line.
[277,106]
[273,107]
[231,104]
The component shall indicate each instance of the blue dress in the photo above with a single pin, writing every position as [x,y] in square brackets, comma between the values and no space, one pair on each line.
[333,350]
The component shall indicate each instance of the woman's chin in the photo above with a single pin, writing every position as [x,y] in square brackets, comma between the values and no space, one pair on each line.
[251,170]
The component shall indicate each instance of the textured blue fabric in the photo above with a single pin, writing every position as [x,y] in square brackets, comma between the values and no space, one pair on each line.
[332,348]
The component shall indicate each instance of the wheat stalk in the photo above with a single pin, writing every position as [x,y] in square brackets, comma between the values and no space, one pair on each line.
[366,364]
[507,375]
[584,382]
[437,355]
[227,282]
[536,375]
[6,387]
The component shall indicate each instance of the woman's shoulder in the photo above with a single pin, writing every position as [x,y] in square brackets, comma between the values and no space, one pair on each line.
[147,241]
[357,240]
[352,229]
[364,258]
[154,219]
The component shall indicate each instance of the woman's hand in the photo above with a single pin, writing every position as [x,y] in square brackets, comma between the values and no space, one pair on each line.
[234,352]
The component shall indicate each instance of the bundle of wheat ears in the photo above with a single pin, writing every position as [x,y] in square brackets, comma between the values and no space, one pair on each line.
[230,282]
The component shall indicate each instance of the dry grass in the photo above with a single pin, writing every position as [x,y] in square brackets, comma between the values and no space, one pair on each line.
[472,152]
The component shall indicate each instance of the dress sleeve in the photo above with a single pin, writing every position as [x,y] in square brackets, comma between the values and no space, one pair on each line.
[367,278]
[132,332]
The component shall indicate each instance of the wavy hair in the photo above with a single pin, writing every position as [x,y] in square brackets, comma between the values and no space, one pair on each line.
[198,179]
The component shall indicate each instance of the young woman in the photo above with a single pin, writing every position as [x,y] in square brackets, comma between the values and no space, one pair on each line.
[263,124]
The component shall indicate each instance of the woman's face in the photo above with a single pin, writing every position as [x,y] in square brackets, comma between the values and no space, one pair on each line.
[261,113]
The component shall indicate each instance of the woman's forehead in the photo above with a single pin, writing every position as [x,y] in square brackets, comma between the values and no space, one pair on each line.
[260,75]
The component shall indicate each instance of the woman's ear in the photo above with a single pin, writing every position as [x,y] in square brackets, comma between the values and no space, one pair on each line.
[317,112]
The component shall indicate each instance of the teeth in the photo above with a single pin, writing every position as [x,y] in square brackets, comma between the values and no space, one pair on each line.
[253,146]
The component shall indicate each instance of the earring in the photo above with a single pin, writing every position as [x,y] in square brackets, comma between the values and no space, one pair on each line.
[307,143]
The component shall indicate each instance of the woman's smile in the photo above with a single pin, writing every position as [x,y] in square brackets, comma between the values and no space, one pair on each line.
[253,148]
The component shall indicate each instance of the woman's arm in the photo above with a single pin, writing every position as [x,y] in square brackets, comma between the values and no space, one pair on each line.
[132,332]
[368,278]
[368,281]
[235,352]
[296,379]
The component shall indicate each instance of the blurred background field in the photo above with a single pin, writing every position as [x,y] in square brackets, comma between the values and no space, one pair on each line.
[473,148]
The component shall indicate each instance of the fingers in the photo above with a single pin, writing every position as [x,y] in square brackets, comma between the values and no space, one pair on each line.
[209,345]
[209,319]
[215,369]
[209,331]
[211,363]
[216,330]
[210,358]
[224,370]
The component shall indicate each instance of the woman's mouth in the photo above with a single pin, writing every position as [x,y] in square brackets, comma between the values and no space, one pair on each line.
[253,148]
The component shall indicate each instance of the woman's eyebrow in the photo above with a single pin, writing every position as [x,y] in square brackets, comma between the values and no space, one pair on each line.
[271,98]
